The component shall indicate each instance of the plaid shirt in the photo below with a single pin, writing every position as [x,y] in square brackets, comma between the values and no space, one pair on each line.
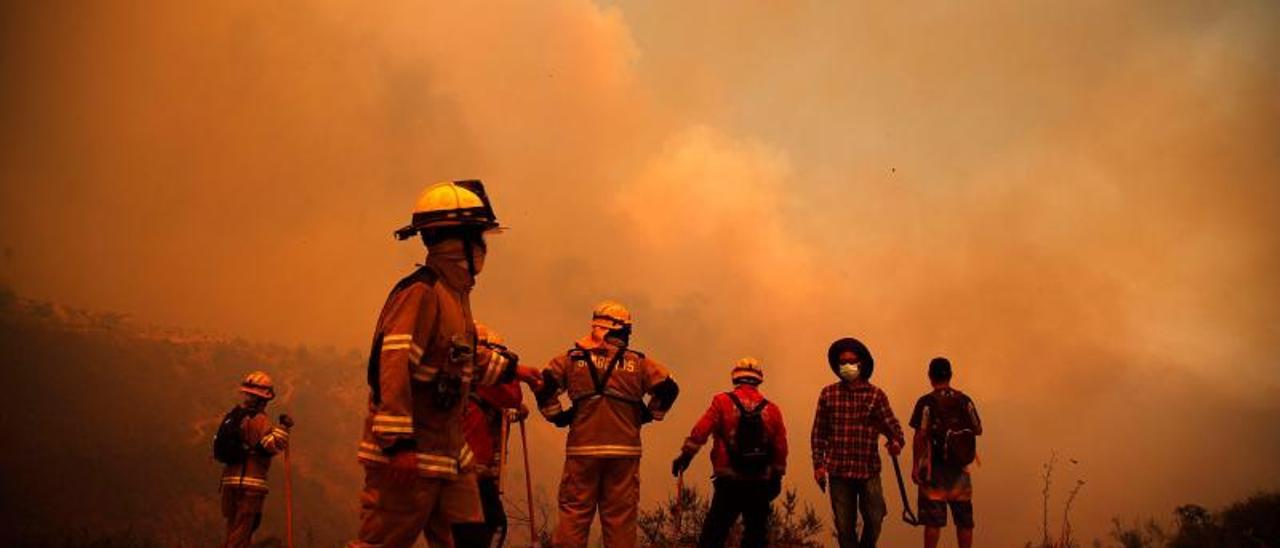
[849,421]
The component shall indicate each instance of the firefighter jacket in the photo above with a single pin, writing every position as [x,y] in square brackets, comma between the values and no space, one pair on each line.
[607,388]
[423,365]
[721,421]
[482,423]
[264,441]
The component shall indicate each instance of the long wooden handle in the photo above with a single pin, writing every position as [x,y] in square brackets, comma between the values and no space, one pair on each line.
[288,500]
[502,448]
[678,511]
[528,486]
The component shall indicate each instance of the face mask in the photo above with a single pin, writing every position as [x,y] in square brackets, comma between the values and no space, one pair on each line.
[849,371]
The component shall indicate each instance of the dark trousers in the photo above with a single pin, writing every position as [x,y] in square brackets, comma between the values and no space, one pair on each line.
[495,516]
[850,497]
[751,499]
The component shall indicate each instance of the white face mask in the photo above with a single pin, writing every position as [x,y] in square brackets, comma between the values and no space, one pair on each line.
[849,371]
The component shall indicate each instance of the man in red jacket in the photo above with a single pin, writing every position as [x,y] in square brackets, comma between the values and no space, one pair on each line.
[748,459]
[482,427]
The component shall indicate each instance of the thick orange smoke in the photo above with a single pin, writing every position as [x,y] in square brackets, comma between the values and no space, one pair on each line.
[1074,203]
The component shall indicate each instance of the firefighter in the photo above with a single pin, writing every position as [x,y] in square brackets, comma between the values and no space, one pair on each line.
[606,381]
[419,477]
[482,422]
[245,443]
[748,459]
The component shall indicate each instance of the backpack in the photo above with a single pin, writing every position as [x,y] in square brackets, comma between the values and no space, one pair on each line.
[229,446]
[750,452]
[951,428]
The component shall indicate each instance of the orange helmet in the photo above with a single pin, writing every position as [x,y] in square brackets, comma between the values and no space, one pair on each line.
[748,370]
[451,204]
[259,384]
[610,315]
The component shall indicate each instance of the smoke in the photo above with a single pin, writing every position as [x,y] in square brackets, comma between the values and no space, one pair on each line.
[1074,203]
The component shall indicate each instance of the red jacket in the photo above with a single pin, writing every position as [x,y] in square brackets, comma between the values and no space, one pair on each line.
[482,422]
[721,421]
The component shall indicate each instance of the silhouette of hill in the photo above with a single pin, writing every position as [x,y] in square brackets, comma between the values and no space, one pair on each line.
[107,426]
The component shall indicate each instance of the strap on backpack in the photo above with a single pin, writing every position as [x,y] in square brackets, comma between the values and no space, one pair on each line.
[742,408]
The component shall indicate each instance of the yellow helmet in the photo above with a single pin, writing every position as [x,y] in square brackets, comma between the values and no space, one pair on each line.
[449,204]
[487,336]
[748,370]
[258,384]
[611,315]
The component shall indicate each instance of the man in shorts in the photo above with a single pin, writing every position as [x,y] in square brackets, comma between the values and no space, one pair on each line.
[946,424]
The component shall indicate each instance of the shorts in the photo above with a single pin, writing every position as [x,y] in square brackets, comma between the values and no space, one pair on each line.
[947,487]
[933,513]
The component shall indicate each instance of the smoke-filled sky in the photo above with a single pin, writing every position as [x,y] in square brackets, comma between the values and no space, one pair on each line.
[1076,202]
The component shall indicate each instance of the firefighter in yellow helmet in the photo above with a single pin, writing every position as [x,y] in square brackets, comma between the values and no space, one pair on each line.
[606,381]
[425,362]
[244,444]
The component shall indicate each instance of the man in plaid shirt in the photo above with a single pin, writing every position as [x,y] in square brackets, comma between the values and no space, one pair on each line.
[852,415]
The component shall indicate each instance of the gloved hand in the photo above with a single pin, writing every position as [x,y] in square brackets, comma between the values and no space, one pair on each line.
[681,463]
[511,357]
[529,376]
[565,418]
[286,421]
[646,416]
[522,412]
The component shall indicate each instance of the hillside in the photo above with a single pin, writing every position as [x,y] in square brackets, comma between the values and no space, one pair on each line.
[107,426]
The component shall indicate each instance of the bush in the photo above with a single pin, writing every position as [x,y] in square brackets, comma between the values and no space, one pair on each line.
[672,525]
[1250,522]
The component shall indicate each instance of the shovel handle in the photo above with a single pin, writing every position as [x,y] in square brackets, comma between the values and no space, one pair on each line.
[907,515]
[528,485]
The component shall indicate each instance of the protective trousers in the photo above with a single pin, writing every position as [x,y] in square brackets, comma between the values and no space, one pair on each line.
[393,514]
[613,485]
[243,510]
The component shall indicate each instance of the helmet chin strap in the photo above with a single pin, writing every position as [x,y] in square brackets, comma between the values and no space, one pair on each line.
[469,250]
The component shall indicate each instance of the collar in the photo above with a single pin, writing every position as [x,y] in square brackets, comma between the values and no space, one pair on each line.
[586,343]
[860,384]
[449,259]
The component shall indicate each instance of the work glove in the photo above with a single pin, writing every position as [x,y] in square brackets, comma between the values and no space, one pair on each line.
[681,463]
[522,412]
[530,376]
[511,357]
[565,418]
